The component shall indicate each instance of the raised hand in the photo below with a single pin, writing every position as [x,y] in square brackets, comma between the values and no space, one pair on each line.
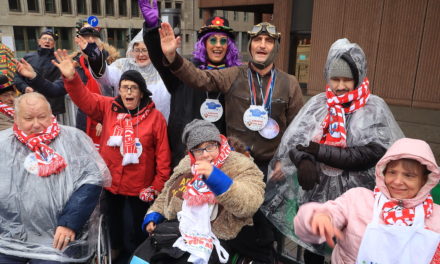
[25,69]
[204,167]
[150,12]
[65,64]
[81,42]
[321,225]
[168,41]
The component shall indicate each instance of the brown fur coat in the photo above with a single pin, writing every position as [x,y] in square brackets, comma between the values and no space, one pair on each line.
[236,206]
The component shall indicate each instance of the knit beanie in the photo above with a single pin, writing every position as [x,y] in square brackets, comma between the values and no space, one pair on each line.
[199,131]
[135,76]
[340,68]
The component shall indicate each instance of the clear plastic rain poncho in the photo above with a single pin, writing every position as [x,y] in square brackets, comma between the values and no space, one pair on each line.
[372,123]
[161,97]
[30,204]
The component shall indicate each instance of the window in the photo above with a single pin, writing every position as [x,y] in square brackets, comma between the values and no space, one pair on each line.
[245,17]
[225,14]
[186,38]
[81,7]
[117,38]
[122,7]
[64,38]
[66,6]
[109,8]
[25,40]
[178,5]
[49,6]
[200,13]
[134,8]
[14,5]
[235,15]
[167,4]
[33,6]
[96,7]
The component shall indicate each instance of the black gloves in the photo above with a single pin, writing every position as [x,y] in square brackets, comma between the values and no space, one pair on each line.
[306,171]
[313,148]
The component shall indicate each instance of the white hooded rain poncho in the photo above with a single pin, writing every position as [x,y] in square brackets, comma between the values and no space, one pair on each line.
[374,122]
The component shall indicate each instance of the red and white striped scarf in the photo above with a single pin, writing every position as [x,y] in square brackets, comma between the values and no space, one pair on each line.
[123,133]
[49,162]
[197,192]
[395,214]
[334,132]
[6,110]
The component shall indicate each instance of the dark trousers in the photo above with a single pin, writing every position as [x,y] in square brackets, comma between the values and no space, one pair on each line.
[125,215]
[7,259]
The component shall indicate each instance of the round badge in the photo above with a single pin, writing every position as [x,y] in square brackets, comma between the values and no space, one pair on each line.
[138,147]
[211,110]
[31,163]
[255,118]
[271,130]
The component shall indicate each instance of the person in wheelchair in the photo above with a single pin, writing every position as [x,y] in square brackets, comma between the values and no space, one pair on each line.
[51,178]
[212,194]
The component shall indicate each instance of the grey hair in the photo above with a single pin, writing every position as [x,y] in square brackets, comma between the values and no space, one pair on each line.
[33,95]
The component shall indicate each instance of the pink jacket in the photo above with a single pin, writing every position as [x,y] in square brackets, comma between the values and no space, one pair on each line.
[353,211]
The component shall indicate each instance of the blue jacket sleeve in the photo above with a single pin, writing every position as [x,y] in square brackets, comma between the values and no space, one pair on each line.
[47,88]
[218,182]
[154,217]
[79,207]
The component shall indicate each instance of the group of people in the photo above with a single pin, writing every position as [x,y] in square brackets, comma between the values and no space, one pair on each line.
[206,161]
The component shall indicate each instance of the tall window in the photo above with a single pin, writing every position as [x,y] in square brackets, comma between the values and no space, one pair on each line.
[96,7]
[134,8]
[117,38]
[49,6]
[245,17]
[81,7]
[25,40]
[33,6]
[109,8]
[200,13]
[14,5]
[225,14]
[66,6]
[235,15]
[168,4]
[122,7]
[64,38]
[178,5]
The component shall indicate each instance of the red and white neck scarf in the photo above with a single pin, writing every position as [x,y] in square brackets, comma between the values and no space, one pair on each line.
[123,133]
[334,132]
[49,162]
[197,192]
[6,110]
[395,214]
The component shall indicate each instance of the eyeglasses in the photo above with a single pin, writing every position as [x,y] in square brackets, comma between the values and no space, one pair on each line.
[132,88]
[145,51]
[209,148]
[214,40]
[264,28]
[47,39]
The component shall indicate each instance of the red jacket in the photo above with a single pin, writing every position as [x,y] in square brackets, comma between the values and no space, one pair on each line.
[154,163]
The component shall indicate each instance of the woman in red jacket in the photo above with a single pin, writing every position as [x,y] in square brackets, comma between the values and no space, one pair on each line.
[134,145]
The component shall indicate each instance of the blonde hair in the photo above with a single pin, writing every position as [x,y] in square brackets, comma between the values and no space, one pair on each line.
[113,53]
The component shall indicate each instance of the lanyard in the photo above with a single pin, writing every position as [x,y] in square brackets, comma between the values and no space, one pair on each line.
[207,95]
[267,100]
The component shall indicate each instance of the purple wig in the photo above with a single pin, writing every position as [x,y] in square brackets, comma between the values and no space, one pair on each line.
[200,54]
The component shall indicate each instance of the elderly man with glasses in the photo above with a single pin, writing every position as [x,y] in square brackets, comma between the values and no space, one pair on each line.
[40,60]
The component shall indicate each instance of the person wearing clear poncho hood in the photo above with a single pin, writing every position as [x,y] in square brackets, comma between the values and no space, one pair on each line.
[51,180]
[137,58]
[333,143]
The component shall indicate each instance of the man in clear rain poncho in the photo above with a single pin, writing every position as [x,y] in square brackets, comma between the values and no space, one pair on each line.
[51,179]
[333,143]
[137,59]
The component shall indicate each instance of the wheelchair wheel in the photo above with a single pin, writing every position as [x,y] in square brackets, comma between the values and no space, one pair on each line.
[103,254]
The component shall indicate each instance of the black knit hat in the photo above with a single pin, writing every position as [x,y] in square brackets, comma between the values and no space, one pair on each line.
[135,76]
[216,24]
[5,84]
[50,33]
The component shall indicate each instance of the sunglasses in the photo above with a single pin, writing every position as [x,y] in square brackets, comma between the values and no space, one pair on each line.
[214,40]
[265,28]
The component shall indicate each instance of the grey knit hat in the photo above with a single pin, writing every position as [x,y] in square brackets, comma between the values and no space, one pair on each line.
[340,68]
[198,132]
